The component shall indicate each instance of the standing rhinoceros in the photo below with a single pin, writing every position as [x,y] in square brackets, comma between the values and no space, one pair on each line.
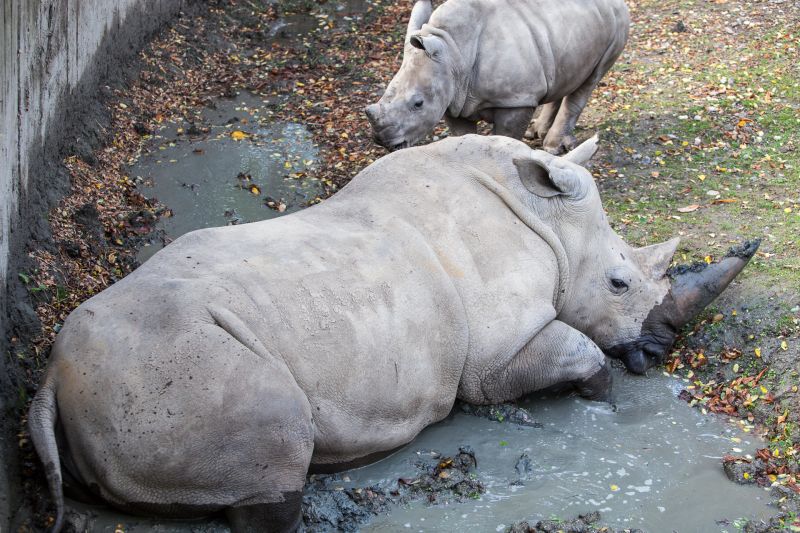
[497,60]
[238,358]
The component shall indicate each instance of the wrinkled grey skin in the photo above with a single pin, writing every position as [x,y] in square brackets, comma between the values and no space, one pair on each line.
[498,60]
[215,375]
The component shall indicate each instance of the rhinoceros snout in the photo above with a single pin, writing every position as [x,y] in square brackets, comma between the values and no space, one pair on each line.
[643,354]
[372,111]
[637,362]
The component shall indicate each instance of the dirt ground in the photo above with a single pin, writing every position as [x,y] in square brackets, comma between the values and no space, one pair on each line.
[700,129]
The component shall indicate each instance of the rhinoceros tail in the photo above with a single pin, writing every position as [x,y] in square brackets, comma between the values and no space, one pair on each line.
[41,424]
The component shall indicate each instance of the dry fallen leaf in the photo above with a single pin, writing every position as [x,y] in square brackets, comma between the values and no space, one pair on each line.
[238,135]
[688,208]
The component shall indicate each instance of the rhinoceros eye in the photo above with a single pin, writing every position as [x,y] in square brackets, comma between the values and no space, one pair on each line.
[418,104]
[618,285]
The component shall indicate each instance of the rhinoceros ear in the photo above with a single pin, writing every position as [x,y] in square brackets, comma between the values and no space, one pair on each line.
[420,14]
[655,259]
[547,176]
[430,44]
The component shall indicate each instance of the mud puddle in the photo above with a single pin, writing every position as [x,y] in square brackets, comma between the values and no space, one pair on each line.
[233,165]
[296,23]
[654,464]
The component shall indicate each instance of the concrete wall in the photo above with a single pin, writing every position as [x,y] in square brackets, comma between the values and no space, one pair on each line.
[53,54]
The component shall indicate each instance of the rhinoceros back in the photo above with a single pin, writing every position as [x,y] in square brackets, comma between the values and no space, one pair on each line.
[529,52]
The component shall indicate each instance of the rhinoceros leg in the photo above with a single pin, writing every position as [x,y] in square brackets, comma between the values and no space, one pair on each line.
[460,126]
[543,120]
[557,354]
[512,122]
[559,138]
[272,517]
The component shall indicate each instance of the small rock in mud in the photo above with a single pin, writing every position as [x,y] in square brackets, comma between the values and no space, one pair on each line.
[776,524]
[741,471]
[195,130]
[71,249]
[87,217]
[141,129]
[444,480]
[75,522]
[501,413]
[587,523]
[524,466]
[328,505]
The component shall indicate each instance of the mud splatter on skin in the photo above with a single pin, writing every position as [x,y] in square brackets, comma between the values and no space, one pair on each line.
[744,251]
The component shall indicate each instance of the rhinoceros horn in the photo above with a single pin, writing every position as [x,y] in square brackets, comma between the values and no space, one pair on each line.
[420,14]
[696,286]
[692,288]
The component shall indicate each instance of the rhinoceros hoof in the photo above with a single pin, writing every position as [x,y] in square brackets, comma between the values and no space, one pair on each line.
[564,145]
[597,387]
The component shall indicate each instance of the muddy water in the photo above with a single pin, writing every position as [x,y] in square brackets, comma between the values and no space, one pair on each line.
[653,464]
[234,166]
[294,28]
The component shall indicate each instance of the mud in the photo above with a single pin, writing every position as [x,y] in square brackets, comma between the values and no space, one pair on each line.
[744,251]
[505,412]
[588,523]
[232,166]
[438,480]
[652,465]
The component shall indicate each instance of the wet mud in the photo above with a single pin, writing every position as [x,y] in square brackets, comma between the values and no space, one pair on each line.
[505,412]
[234,165]
[744,251]
[588,523]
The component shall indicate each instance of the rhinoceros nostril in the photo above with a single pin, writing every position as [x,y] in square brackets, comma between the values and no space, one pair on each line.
[372,113]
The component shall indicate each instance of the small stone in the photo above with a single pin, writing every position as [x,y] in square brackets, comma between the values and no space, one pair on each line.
[524,465]
[712,192]
[520,527]
[718,318]
[739,472]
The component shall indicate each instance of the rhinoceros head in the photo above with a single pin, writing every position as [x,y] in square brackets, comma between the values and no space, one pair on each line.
[420,92]
[625,299]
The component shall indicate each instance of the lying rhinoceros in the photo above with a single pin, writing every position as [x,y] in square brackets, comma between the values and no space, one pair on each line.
[238,358]
[497,61]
